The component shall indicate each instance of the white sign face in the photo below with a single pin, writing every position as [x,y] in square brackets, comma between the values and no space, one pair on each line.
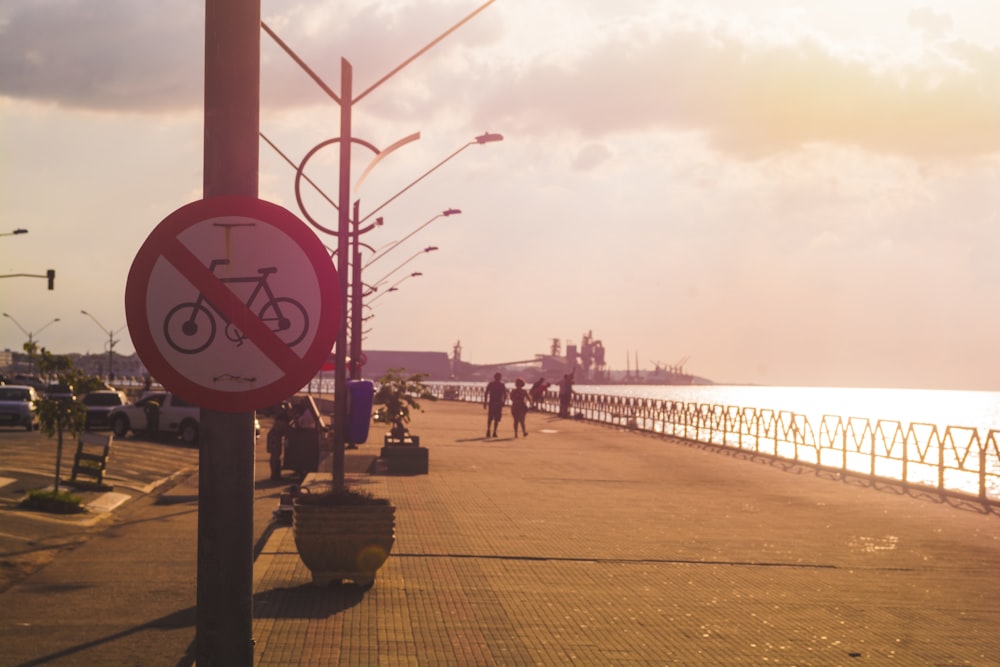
[233,303]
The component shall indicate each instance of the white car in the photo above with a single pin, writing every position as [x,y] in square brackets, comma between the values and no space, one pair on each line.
[175,416]
[17,406]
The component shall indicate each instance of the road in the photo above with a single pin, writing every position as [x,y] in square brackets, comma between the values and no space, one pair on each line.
[136,468]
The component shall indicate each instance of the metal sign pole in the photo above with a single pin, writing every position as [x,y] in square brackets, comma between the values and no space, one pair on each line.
[226,463]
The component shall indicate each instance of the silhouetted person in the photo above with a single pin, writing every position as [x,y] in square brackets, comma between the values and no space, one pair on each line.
[565,394]
[276,438]
[493,400]
[153,418]
[537,392]
[519,406]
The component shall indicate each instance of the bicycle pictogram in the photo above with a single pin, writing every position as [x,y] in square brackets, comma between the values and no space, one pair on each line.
[190,327]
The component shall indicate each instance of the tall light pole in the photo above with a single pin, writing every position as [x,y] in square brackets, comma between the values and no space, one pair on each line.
[111,343]
[486,138]
[346,100]
[31,337]
[381,253]
[430,248]
[395,286]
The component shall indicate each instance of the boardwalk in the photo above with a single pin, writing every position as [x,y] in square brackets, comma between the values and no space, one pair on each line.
[588,545]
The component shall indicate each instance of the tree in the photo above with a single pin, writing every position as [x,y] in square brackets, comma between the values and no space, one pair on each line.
[57,415]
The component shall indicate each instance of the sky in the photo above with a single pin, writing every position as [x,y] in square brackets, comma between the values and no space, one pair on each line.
[779,192]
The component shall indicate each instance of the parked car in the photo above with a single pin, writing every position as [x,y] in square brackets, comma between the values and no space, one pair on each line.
[59,392]
[99,405]
[175,416]
[17,406]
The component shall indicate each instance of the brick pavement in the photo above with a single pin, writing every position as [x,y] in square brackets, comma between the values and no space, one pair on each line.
[588,545]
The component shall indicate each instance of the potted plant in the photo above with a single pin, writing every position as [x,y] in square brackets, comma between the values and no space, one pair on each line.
[343,534]
[396,396]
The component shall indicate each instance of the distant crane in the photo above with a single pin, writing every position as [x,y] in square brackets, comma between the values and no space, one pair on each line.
[679,366]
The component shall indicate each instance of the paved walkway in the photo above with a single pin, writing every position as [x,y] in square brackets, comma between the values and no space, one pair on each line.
[584,545]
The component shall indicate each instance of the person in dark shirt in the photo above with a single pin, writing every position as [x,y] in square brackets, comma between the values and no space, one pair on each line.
[566,394]
[537,393]
[519,406]
[493,400]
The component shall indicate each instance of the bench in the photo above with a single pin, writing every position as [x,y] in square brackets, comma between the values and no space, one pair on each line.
[91,460]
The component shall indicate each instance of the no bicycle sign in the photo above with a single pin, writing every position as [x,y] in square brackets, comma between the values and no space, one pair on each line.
[233,303]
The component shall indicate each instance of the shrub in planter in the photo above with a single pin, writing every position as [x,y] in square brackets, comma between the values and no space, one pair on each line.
[397,394]
[343,534]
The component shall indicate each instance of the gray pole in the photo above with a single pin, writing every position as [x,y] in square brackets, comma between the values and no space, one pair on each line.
[357,295]
[224,629]
[343,248]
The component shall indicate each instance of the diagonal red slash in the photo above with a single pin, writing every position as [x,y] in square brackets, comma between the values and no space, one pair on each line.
[227,303]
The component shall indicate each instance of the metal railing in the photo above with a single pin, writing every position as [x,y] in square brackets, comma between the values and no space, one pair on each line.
[955,460]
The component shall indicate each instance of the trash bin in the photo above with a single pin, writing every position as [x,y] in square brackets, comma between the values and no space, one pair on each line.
[360,397]
[302,450]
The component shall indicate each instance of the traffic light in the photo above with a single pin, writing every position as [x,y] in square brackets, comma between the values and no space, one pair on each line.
[51,275]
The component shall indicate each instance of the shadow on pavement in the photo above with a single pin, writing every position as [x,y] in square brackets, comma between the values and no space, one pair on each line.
[307,601]
[179,619]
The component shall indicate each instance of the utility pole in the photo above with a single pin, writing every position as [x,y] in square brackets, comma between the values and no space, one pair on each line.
[224,626]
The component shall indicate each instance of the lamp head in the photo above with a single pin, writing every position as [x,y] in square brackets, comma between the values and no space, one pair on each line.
[430,248]
[489,137]
[451,211]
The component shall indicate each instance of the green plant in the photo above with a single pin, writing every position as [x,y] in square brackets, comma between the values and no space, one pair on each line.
[339,498]
[53,501]
[397,394]
[56,415]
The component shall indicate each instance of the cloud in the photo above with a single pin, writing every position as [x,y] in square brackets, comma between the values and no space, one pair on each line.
[591,156]
[108,55]
[753,96]
[932,24]
[748,93]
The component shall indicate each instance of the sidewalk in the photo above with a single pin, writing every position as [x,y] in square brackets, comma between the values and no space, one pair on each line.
[579,544]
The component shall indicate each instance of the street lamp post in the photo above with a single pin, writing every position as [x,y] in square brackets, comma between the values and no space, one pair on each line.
[395,286]
[346,100]
[31,337]
[430,248]
[111,344]
[381,253]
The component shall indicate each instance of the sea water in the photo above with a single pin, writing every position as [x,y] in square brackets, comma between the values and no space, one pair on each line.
[970,409]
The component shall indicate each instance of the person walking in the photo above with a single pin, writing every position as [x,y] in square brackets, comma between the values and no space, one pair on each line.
[519,406]
[565,394]
[493,400]
[537,393]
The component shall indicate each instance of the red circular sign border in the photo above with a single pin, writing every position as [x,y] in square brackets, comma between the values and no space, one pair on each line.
[327,324]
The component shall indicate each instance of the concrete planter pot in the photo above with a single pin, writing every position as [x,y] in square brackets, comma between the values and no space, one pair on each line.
[343,542]
[404,456]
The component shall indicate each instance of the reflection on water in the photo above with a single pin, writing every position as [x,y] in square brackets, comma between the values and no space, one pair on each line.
[973,409]
[940,407]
